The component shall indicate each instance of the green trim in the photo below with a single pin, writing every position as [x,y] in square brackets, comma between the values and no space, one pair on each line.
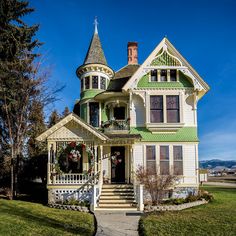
[104,113]
[165,60]
[185,134]
[87,94]
[182,83]
[83,111]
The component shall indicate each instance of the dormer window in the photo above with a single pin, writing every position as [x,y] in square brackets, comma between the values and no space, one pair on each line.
[163,75]
[95,82]
[173,75]
[153,75]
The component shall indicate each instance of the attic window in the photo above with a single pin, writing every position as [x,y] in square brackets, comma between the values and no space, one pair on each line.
[173,75]
[153,75]
[163,75]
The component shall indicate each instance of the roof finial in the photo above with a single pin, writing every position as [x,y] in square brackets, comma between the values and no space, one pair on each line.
[96,25]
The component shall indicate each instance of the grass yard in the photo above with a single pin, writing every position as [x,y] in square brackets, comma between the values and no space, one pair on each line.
[26,218]
[216,218]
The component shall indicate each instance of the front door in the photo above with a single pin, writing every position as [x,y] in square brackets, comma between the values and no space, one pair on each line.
[117,164]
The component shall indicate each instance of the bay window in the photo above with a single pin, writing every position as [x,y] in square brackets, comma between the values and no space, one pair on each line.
[151,159]
[164,160]
[178,160]
[172,108]
[156,109]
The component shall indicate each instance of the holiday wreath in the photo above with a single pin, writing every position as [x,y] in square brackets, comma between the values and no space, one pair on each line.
[69,157]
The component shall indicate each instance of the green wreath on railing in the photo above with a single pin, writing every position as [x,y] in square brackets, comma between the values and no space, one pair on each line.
[72,153]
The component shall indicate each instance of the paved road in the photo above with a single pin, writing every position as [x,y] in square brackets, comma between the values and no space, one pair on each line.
[117,223]
[220,184]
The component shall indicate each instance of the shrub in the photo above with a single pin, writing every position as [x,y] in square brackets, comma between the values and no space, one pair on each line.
[156,185]
[191,198]
[175,201]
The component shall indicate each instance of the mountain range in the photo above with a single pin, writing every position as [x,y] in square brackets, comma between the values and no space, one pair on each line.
[210,164]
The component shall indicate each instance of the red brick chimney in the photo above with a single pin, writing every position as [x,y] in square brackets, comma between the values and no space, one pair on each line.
[132,49]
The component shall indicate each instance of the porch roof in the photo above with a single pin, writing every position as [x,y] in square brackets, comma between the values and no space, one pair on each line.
[72,117]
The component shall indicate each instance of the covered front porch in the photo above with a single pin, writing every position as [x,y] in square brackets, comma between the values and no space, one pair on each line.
[81,159]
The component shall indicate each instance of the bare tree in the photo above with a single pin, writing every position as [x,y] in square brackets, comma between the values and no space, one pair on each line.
[156,185]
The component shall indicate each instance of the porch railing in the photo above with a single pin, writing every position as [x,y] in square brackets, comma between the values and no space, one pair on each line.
[116,125]
[74,178]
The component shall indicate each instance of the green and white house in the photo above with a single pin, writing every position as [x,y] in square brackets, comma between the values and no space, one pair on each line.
[141,115]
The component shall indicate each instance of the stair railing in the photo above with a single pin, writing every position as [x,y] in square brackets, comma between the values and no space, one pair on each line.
[96,192]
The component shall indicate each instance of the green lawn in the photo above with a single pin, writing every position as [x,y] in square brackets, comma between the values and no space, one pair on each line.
[26,218]
[216,218]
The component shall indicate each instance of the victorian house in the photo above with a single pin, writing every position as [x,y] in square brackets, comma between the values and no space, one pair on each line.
[141,115]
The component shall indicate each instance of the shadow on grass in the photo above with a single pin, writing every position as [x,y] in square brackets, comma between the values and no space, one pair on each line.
[43,220]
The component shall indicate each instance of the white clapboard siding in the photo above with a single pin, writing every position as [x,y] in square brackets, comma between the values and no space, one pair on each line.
[188,110]
[189,164]
[138,112]
[138,156]
[106,161]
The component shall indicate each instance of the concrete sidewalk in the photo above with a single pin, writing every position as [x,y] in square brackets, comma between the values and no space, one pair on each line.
[117,223]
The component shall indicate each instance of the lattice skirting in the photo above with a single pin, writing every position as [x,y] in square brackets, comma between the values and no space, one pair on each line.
[60,195]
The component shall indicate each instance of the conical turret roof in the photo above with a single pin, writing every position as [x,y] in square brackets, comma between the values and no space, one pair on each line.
[95,52]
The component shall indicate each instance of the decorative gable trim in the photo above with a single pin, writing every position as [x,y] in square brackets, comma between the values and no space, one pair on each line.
[66,120]
[164,51]
[166,59]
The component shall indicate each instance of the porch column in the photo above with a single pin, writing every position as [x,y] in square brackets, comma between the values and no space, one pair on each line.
[101,162]
[50,153]
[132,164]
[95,158]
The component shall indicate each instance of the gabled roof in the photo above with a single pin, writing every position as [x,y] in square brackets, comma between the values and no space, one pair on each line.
[186,68]
[67,119]
[126,71]
[95,52]
[121,77]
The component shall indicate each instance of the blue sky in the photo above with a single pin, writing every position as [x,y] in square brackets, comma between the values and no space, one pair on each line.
[203,31]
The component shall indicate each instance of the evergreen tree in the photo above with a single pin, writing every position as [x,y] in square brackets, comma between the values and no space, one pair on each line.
[53,118]
[66,112]
[19,86]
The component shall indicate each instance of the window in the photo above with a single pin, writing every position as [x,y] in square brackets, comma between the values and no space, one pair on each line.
[82,84]
[119,113]
[156,109]
[153,75]
[103,83]
[173,75]
[94,82]
[172,106]
[163,75]
[164,160]
[94,114]
[178,160]
[151,159]
[87,82]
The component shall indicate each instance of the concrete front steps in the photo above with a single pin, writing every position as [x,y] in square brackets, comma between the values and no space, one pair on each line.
[117,197]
